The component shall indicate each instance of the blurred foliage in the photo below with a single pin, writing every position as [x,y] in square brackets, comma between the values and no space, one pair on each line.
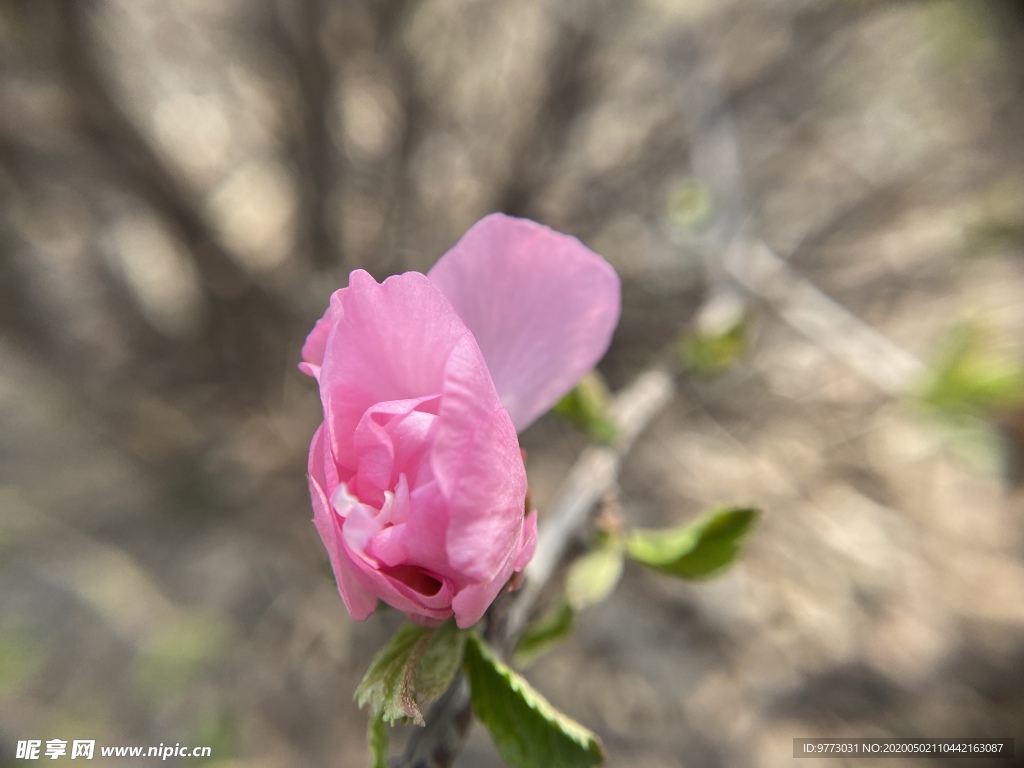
[178,652]
[20,658]
[997,222]
[694,550]
[969,380]
[690,204]
[221,732]
[543,634]
[978,394]
[708,352]
[594,576]
[590,579]
[586,406]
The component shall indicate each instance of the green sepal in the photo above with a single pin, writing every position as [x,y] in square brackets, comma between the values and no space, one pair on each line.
[526,729]
[411,671]
[695,550]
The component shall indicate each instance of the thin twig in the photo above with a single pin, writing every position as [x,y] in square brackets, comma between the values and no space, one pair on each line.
[823,320]
[296,32]
[596,470]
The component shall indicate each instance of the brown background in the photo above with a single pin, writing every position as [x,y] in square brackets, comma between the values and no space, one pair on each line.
[182,185]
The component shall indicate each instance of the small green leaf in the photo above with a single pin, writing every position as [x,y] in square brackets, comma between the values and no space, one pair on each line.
[546,632]
[412,670]
[586,406]
[697,549]
[706,352]
[690,204]
[968,379]
[377,740]
[593,577]
[527,731]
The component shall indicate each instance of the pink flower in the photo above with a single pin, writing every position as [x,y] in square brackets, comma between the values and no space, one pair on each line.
[416,475]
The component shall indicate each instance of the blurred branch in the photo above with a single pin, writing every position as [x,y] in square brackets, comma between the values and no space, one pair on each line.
[398,189]
[824,321]
[596,471]
[594,474]
[296,32]
[733,262]
[567,91]
[244,314]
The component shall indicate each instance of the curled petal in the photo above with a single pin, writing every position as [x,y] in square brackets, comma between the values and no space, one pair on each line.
[389,341]
[316,343]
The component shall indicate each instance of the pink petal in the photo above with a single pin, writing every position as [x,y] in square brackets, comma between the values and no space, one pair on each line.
[391,439]
[403,587]
[359,600]
[316,342]
[389,342]
[540,304]
[528,542]
[424,535]
[478,467]
[473,600]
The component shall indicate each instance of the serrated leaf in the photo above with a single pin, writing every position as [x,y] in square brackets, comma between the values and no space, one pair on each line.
[377,740]
[546,632]
[412,670]
[527,730]
[695,550]
[593,577]
[586,406]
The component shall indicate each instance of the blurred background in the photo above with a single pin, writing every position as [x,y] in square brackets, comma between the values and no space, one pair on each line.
[823,199]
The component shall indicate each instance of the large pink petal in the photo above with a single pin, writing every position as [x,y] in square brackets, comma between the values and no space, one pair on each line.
[388,342]
[541,305]
[478,467]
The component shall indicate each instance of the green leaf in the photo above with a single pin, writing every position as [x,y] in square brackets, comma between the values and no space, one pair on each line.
[710,351]
[412,670]
[546,632]
[697,549]
[377,740]
[690,204]
[593,577]
[527,731]
[586,406]
[969,380]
